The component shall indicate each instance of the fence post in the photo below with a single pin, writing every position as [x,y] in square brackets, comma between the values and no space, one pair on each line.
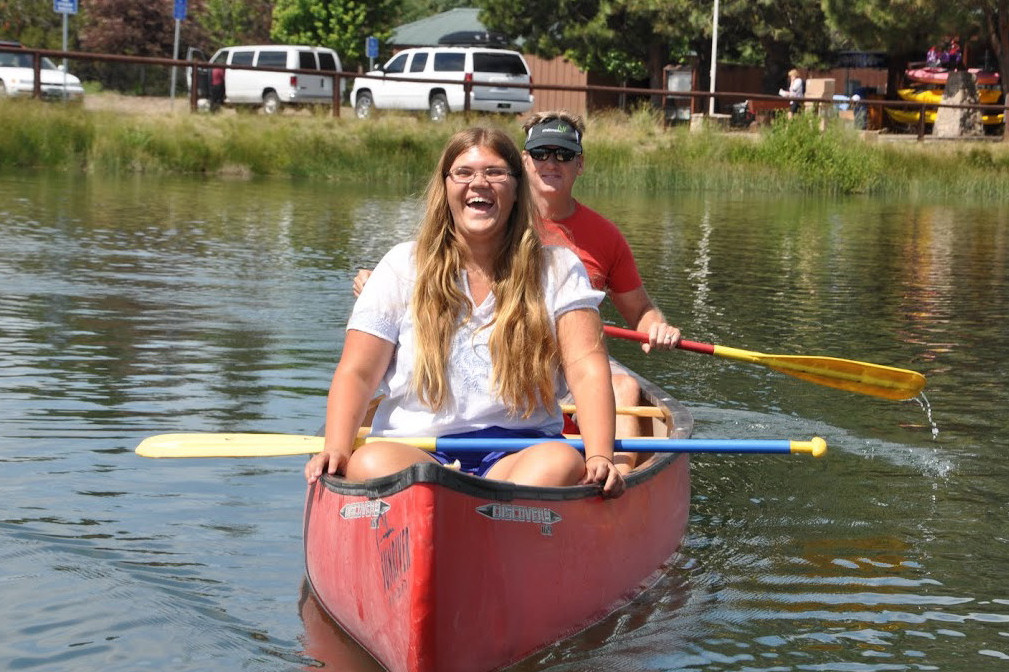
[37,68]
[336,96]
[193,88]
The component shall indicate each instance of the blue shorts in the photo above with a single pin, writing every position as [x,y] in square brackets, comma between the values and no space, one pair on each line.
[479,464]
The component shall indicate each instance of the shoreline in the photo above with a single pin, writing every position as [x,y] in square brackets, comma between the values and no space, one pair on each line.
[633,151]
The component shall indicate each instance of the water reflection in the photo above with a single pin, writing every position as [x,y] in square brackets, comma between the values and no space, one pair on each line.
[144,305]
[326,642]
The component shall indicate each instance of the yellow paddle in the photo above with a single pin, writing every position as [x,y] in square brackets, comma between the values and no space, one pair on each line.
[844,374]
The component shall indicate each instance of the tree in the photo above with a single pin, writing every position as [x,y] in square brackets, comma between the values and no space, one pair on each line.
[33,23]
[904,29]
[625,38]
[633,38]
[342,25]
[414,10]
[127,27]
[784,33]
[996,18]
[231,22]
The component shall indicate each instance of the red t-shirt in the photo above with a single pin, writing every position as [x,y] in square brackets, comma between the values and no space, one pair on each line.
[600,245]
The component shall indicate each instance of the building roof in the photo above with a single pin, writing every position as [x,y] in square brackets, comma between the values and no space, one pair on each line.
[425,32]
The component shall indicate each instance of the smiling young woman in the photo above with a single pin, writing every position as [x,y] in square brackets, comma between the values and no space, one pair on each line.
[475,328]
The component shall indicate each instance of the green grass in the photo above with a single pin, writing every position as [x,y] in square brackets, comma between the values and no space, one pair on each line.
[624,151]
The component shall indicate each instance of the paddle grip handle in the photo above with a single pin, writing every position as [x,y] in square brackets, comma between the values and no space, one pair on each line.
[631,335]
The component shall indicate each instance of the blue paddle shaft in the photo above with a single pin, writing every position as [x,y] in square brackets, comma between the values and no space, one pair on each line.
[484,444]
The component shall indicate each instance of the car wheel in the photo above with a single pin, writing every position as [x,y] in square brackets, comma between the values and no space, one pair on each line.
[3,90]
[364,106]
[271,103]
[439,107]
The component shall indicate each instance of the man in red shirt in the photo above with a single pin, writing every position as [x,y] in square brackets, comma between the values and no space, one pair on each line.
[554,159]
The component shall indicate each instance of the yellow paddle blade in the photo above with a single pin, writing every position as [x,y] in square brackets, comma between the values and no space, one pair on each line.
[843,374]
[228,445]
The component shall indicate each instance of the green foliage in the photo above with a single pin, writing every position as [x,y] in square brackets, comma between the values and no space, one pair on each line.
[228,23]
[624,38]
[342,25]
[634,151]
[899,26]
[43,135]
[830,161]
[33,23]
[414,10]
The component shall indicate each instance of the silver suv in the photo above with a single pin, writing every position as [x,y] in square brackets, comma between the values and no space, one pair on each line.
[486,68]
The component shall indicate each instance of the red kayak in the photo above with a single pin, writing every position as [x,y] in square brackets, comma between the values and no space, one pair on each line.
[432,570]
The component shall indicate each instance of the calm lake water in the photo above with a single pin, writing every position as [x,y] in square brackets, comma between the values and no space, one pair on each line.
[147,305]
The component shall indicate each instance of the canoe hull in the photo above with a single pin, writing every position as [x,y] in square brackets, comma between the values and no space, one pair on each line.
[430,569]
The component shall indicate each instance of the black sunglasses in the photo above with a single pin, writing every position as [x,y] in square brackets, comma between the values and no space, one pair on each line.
[562,155]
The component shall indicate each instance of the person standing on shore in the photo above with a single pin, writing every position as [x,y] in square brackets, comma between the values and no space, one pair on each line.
[216,89]
[796,90]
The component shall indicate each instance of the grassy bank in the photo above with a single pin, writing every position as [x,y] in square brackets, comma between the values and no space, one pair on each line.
[624,151]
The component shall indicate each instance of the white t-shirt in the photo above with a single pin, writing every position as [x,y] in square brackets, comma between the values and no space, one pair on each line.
[383,310]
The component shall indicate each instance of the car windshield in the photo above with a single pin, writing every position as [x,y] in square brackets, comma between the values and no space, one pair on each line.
[9,60]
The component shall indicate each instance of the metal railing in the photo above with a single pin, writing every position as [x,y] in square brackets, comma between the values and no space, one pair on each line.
[699,99]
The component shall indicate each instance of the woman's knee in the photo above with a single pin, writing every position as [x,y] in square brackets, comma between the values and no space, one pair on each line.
[381,459]
[551,464]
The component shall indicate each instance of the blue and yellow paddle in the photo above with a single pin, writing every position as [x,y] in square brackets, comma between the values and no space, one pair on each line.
[844,374]
[272,445]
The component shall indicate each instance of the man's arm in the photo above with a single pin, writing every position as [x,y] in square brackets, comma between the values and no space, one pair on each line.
[641,314]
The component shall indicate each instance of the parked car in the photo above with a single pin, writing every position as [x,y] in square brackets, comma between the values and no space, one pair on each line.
[272,90]
[487,68]
[17,76]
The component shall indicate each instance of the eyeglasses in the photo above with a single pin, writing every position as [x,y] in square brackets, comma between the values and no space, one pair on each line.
[465,175]
[559,153]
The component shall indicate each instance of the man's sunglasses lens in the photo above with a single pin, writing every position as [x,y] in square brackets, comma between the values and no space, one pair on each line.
[562,155]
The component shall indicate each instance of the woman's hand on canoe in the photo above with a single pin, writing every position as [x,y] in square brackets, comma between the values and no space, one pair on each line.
[330,462]
[600,470]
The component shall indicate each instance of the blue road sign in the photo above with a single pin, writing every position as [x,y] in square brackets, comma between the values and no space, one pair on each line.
[180,10]
[371,47]
[65,6]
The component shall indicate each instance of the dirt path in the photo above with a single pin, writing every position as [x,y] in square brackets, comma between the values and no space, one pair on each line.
[147,105]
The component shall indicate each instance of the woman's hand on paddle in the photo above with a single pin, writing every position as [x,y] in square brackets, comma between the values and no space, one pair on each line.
[600,470]
[328,461]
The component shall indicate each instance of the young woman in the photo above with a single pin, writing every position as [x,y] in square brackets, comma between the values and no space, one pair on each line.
[475,327]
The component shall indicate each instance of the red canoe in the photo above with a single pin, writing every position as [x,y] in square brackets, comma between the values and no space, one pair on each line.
[436,571]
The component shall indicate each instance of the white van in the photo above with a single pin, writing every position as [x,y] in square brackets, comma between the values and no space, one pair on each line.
[271,90]
[490,70]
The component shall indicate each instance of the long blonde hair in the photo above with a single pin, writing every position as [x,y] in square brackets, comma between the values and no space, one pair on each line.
[523,346]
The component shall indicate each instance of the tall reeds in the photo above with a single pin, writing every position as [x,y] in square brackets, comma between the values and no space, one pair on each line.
[633,151]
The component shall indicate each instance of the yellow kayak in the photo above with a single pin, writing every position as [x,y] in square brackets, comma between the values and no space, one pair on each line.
[933,95]
[910,117]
